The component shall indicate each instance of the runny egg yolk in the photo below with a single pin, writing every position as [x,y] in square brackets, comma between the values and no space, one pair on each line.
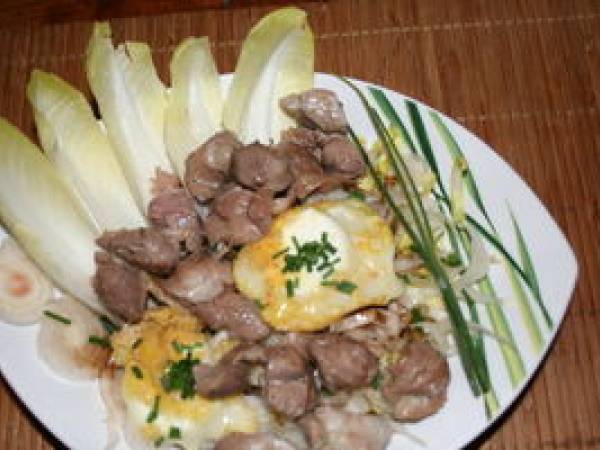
[147,350]
[304,299]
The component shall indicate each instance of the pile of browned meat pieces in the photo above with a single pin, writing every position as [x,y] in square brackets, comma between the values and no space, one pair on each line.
[228,197]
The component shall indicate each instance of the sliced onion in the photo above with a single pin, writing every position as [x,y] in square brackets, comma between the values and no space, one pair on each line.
[372,323]
[440,336]
[405,264]
[24,289]
[65,348]
[479,263]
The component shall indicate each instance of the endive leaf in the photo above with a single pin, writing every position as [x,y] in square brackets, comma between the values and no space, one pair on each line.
[277,59]
[132,101]
[41,212]
[195,103]
[81,152]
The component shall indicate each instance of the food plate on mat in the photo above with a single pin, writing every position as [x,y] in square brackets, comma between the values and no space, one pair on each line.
[428,259]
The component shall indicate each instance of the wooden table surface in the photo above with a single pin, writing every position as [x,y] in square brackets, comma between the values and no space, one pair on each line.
[522,74]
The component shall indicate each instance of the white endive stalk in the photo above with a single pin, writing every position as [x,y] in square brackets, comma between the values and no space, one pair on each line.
[132,102]
[78,147]
[277,59]
[40,210]
[195,102]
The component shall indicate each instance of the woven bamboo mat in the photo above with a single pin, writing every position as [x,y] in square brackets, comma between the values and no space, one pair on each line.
[522,74]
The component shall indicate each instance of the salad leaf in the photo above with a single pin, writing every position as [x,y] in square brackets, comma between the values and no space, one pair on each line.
[40,211]
[132,101]
[277,59]
[195,103]
[81,152]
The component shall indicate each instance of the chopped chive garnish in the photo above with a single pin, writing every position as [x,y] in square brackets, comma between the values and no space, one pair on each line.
[452,260]
[296,244]
[153,414]
[309,256]
[109,326]
[376,381]
[291,286]
[357,195]
[280,252]
[259,304]
[181,348]
[179,377]
[137,343]
[99,341]
[137,372]
[174,433]
[159,441]
[416,315]
[57,317]
[328,274]
[404,277]
[345,286]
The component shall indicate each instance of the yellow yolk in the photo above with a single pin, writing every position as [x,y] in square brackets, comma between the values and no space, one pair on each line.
[363,243]
[146,350]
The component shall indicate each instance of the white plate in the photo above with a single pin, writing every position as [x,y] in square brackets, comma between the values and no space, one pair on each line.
[74,411]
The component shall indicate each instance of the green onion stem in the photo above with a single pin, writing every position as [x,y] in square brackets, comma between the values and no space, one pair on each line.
[419,129]
[472,362]
[512,357]
[391,114]
[403,176]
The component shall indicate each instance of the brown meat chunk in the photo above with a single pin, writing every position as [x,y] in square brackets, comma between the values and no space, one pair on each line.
[343,362]
[200,180]
[120,287]
[318,108]
[207,167]
[290,388]
[257,166]
[228,377]
[146,248]
[174,213]
[253,441]
[198,278]
[218,149]
[232,202]
[416,385]
[341,155]
[164,182]
[306,138]
[306,171]
[260,210]
[217,229]
[234,313]
[239,216]
[330,428]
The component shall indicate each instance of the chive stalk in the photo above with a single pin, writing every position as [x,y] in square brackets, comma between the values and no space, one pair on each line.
[473,363]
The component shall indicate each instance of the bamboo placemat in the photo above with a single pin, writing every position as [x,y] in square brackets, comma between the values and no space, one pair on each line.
[522,74]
